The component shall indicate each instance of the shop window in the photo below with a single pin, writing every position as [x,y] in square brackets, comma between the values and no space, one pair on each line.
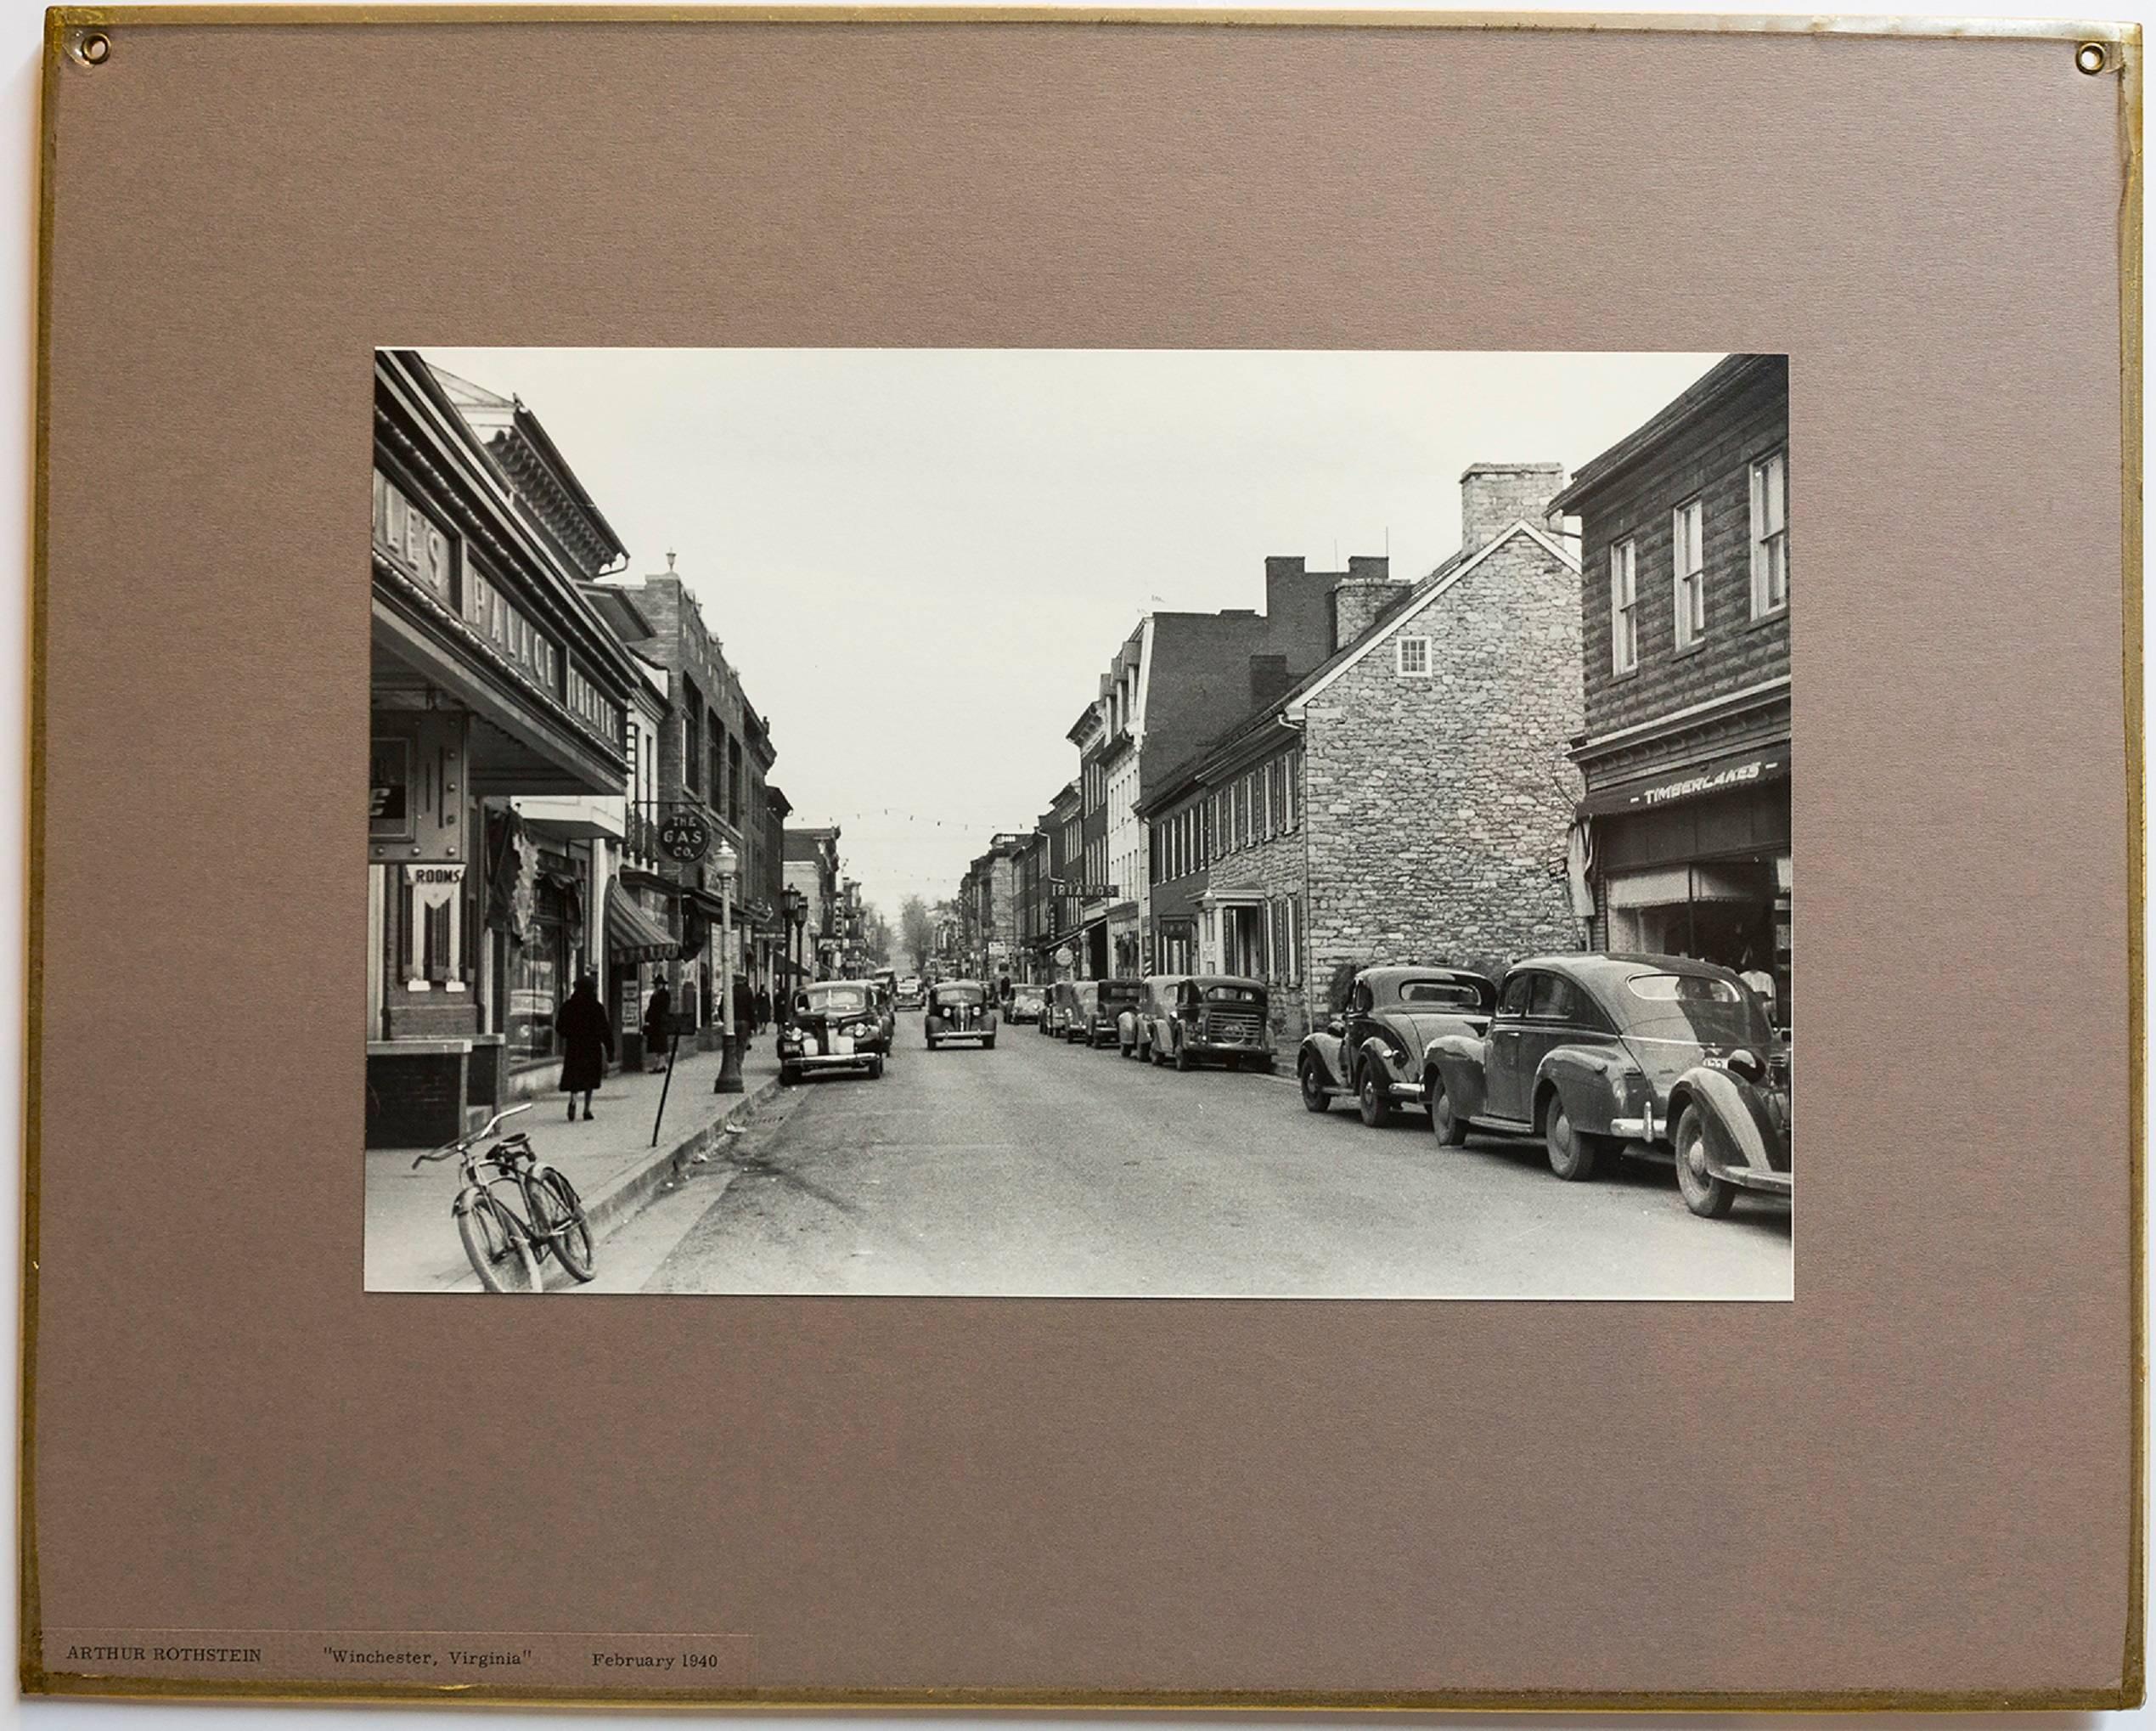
[1769,535]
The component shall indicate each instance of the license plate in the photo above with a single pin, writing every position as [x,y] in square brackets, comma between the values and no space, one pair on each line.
[841,1046]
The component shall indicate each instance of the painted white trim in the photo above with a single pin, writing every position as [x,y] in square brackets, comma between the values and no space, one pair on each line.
[1294,710]
[1732,699]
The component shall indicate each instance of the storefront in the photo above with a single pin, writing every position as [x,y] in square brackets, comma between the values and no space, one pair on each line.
[1696,861]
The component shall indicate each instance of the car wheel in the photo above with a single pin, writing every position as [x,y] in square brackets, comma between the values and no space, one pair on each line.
[1572,1153]
[875,1069]
[789,1076]
[1184,1063]
[1374,1096]
[1451,1131]
[1706,1196]
[989,1044]
[1315,1097]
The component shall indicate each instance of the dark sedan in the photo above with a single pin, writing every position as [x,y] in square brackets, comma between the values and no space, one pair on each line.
[832,1025]
[1592,1053]
[1373,1050]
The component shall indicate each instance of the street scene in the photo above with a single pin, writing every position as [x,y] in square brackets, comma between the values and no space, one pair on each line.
[1407,923]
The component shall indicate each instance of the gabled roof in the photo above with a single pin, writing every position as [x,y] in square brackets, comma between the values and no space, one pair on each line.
[1722,380]
[1419,601]
[1415,598]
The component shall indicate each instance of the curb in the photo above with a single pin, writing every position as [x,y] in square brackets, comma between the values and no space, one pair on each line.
[631,1189]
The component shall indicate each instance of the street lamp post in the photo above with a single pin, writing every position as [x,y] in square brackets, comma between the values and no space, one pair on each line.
[726,862]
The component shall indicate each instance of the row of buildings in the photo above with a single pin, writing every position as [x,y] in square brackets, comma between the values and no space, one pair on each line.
[1573,734]
[542,727]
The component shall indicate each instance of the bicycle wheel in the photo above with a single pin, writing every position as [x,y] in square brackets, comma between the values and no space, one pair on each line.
[495,1240]
[558,1217]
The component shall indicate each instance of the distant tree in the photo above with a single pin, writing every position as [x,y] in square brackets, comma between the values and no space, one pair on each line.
[917,934]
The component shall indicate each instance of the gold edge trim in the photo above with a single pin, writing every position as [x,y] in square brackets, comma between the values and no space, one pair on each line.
[1119,1700]
[2133,1667]
[1927,26]
[35,1679]
[30,1620]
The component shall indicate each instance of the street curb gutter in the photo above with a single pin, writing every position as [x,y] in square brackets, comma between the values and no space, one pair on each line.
[629,1191]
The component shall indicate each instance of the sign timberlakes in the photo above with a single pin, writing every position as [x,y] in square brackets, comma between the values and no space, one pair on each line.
[1709,781]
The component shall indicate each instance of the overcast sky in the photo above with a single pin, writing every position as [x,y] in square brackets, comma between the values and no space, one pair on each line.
[920,560]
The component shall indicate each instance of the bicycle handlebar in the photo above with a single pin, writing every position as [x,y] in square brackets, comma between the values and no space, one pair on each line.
[458,1145]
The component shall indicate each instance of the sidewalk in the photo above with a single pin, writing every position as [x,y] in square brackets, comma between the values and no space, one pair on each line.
[412,1244]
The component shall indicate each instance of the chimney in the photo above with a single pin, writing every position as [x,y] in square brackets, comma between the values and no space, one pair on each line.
[1360,594]
[1494,496]
[1268,679]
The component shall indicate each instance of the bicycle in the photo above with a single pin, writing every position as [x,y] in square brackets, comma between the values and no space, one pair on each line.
[508,1249]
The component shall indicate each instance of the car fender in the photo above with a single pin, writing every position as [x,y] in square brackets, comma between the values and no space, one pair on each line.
[1458,1060]
[1742,1129]
[1325,1048]
[1391,1063]
[1590,1080]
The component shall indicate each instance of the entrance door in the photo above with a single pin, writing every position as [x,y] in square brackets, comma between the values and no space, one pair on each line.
[1503,1093]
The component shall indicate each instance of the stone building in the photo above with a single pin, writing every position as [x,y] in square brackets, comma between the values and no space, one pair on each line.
[1685,844]
[1410,799]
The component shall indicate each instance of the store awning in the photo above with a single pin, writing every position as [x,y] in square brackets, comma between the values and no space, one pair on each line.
[632,935]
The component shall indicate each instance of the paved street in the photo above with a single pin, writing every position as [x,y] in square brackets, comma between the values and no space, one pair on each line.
[1042,1169]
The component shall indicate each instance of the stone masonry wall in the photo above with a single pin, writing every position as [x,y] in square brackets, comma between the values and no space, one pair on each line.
[1438,807]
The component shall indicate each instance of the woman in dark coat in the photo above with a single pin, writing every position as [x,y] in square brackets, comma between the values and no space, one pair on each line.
[656,1014]
[586,1044]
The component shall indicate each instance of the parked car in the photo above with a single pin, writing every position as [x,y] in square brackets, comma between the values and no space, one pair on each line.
[1101,1001]
[1058,1007]
[1026,1004]
[1216,1018]
[960,1009]
[1156,1004]
[832,1025]
[1593,1053]
[886,1012]
[1083,1007]
[909,990]
[1374,1049]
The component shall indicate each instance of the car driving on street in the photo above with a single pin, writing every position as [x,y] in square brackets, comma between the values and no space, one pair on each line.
[1026,1004]
[959,1010]
[832,1025]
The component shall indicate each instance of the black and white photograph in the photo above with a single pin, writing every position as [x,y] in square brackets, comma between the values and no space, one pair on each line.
[1080,823]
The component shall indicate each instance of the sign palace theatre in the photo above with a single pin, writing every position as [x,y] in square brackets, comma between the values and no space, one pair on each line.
[491,678]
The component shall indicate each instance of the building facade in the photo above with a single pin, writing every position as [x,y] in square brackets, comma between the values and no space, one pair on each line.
[493,682]
[1685,841]
[812,871]
[1410,799]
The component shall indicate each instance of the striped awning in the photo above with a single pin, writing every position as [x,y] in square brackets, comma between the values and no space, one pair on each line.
[632,935]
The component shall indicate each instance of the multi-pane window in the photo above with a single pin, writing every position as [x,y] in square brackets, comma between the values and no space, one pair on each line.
[1291,767]
[1770,534]
[1413,654]
[1623,606]
[1688,568]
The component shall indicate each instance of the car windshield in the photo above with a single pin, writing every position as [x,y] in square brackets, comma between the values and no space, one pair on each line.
[1117,991]
[1234,995]
[1444,995]
[837,1000]
[959,994]
[1694,1006]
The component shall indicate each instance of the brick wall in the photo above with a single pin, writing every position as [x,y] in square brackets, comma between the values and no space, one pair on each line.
[1709,458]
[414,1100]
[1437,808]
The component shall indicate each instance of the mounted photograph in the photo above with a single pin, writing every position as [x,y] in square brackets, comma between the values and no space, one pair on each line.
[1080,823]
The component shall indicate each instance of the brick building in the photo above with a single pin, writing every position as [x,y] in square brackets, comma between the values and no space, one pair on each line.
[1408,799]
[1686,748]
[1062,852]
[990,911]
[1175,682]
[494,685]
[714,754]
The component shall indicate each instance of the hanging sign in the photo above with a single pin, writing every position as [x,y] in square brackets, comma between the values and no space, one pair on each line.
[685,836]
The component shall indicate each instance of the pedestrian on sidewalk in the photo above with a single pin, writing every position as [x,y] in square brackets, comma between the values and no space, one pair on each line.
[657,1014]
[763,1008]
[586,1044]
[744,1010]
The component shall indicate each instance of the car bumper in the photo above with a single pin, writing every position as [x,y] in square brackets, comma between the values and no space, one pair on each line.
[1642,1129]
[940,1035]
[857,1059]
